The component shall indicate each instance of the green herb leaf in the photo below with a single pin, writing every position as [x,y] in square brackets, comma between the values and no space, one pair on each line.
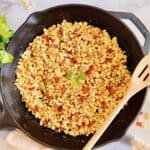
[81,76]
[70,75]
[76,83]
[76,78]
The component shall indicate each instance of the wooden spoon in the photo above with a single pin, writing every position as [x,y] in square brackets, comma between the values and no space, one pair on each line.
[140,79]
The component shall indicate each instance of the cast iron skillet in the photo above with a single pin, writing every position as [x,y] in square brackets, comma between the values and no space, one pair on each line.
[14,113]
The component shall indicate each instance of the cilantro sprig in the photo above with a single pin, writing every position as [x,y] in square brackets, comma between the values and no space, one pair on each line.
[5,35]
[76,78]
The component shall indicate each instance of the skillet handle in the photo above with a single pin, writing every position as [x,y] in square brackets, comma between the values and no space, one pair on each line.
[137,22]
[5,118]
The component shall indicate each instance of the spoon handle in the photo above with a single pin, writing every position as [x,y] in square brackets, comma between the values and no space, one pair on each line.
[106,124]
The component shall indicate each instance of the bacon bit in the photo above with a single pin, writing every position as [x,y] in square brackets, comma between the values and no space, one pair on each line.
[74,60]
[44,81]
[77,115]
[59,108]
[32,76]
[122,61]
[47,38]
[46,121]
[35,109]
[109,50]
[115,67]
[69,52]
[83,124]
[57,79]
[123,78]
[104,105]
[82,98]
[98,94]
[54,46]
[70,117]
[119,98]
[63,89]
[108,60]
[139,124]
[50,98]
[31,88]
[29,48]
[91,123]
[86,89]
[61,31]
[47,96]
[111,89]
[78,34]
[76,31]
[90,70]
[95,36]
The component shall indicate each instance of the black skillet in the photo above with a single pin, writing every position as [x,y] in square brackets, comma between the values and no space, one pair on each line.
[14,114]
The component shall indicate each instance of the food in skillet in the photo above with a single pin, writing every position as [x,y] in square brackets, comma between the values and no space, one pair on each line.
[72,76]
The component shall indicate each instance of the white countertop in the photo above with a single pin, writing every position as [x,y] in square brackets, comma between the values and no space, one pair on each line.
[17,15]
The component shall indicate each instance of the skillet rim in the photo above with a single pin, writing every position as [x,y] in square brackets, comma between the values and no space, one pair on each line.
[21,28]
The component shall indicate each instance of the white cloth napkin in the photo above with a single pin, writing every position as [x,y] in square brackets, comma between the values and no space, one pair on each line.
[20,141]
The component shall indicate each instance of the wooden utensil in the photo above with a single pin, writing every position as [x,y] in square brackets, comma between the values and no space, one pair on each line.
[140,79]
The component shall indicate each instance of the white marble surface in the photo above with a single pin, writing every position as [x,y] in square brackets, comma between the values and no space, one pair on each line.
[129,5]
[17,14]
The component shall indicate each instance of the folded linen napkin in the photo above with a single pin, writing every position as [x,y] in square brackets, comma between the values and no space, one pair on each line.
[20,141]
